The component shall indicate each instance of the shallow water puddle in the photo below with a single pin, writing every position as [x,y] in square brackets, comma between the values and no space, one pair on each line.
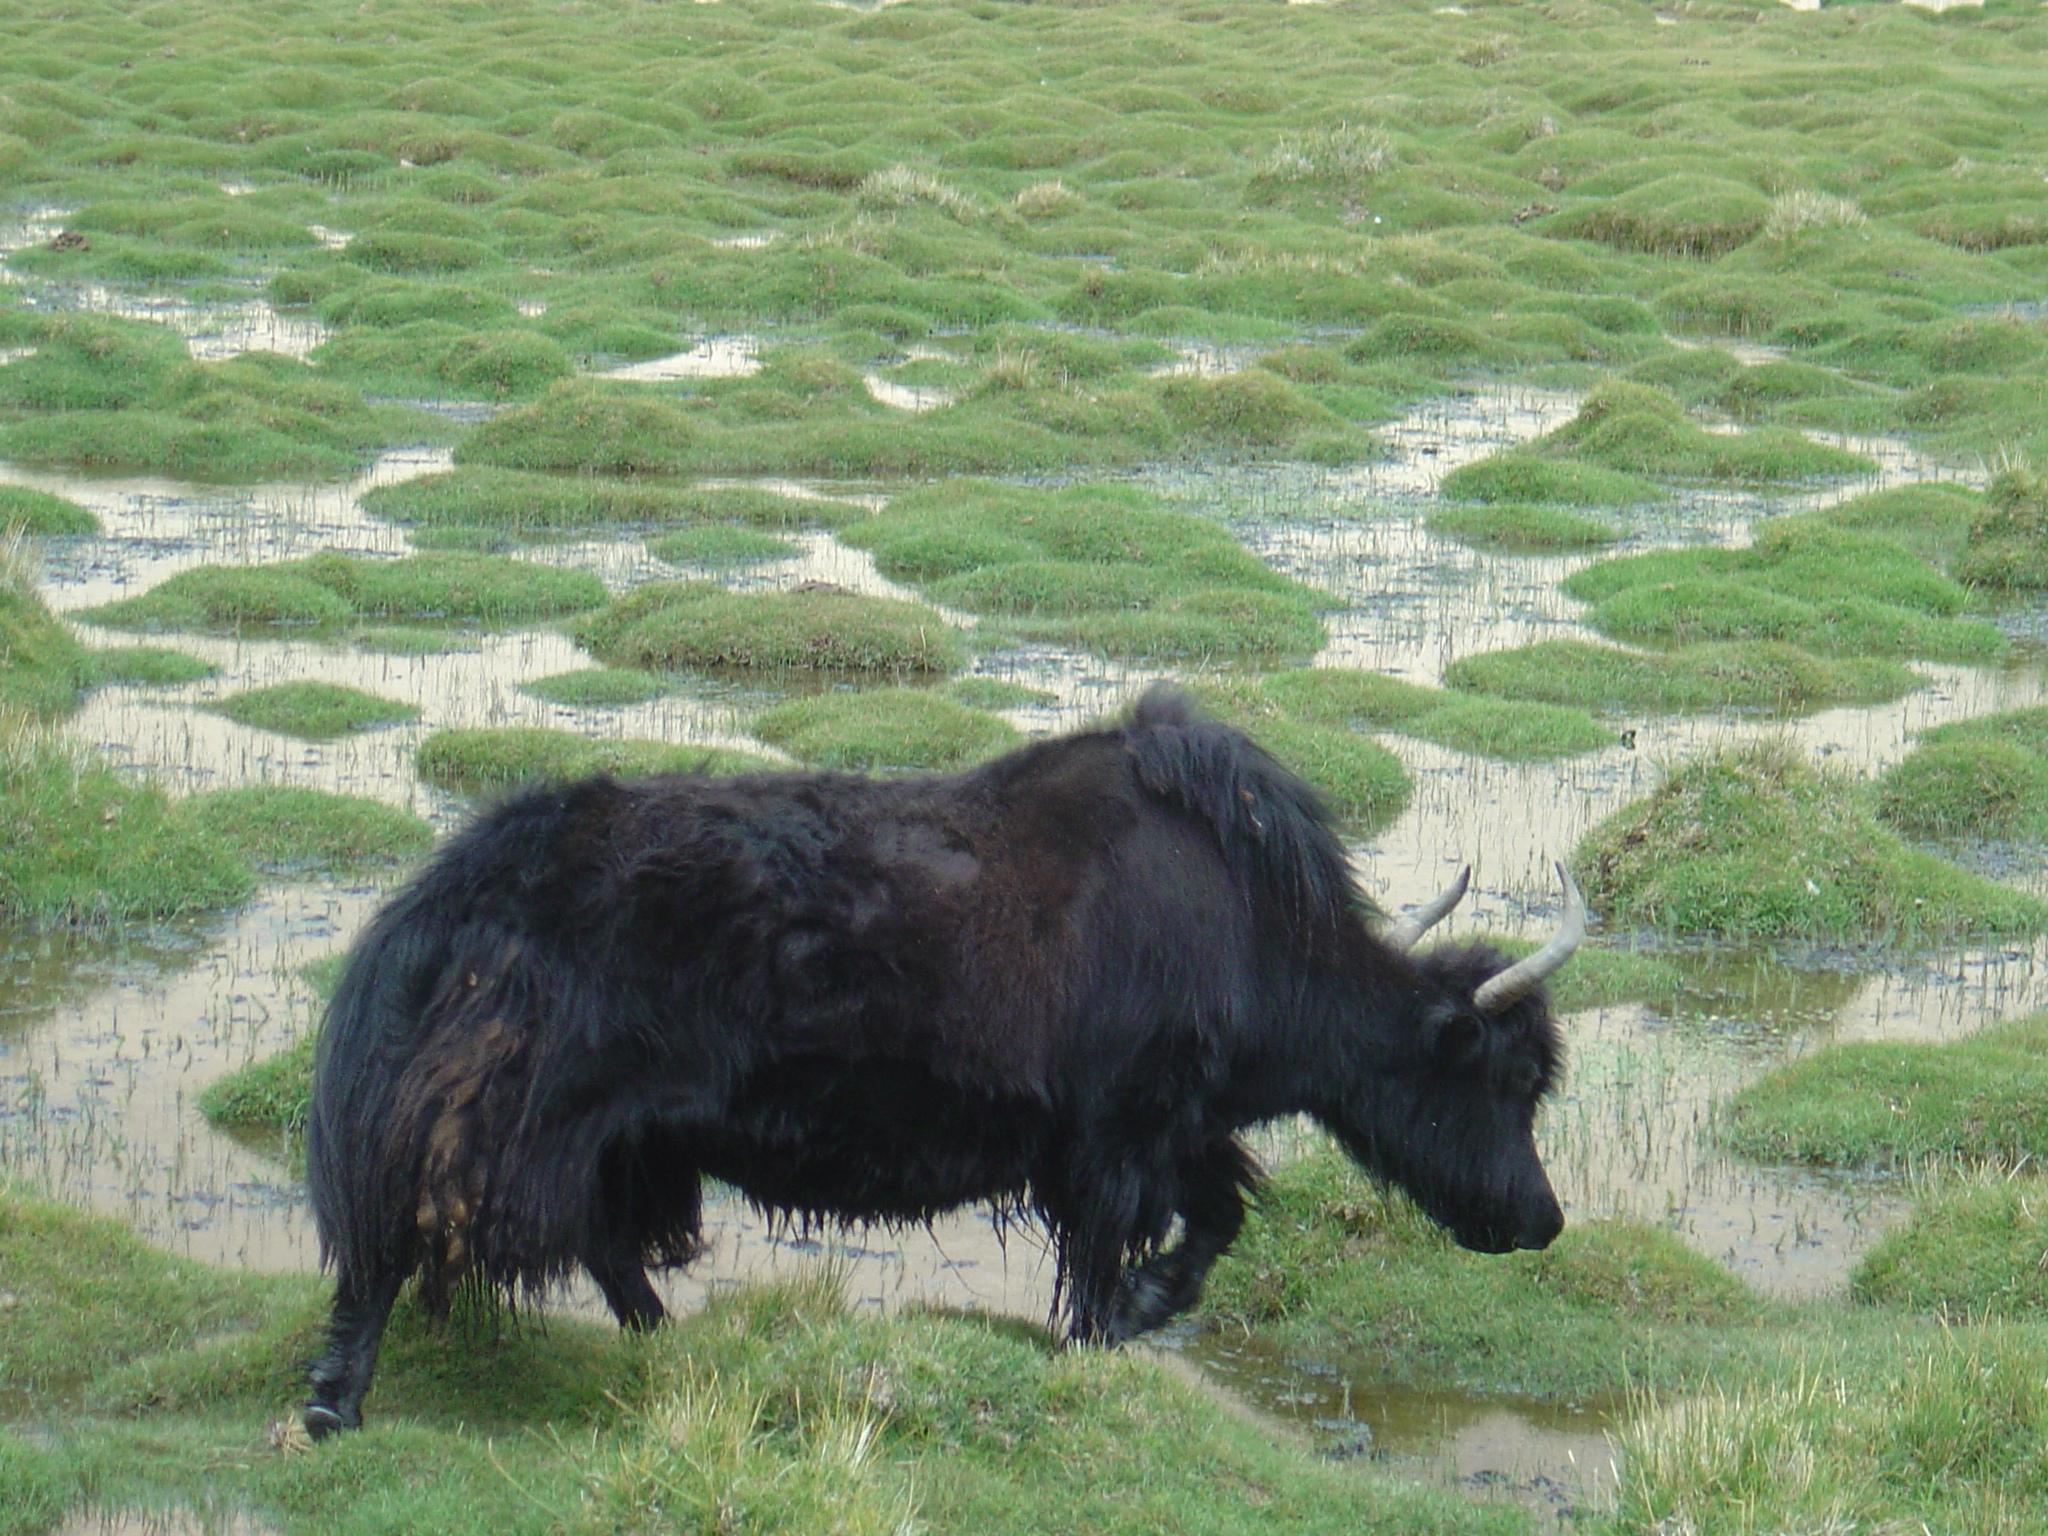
[101,1053]
[213,332]
[160,1522]
[715,357]
[1552,1457]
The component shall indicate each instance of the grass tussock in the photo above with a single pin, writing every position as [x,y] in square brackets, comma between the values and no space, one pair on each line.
[673,626]
[485,759]
[43,515]
[1981,778]
[884,728]
[1892,1105]
[1758,842]
[1107,568]
[1743,674]
[86,846]
[313,711]
[330,590]
[285,830]
[1521,529]
[597,687]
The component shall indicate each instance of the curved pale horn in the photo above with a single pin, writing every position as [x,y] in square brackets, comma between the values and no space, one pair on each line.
[1497,992]
[1403,932]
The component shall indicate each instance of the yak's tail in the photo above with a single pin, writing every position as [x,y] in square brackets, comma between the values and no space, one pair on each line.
[1272,827]
[421,1074]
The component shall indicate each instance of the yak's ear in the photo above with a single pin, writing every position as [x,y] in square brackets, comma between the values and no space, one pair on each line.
[1456,1037]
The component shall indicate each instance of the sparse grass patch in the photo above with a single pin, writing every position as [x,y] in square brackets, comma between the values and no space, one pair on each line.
[884,728]
[1891,1104]
[474,762]
[577,426]
[597,687]
[1757,842]
[272,1093]
[330,589]
[281,829]
[86,846]
[1104,567]
[1638,429]
[993,693]
[1971,1249]
[44,671]
[1968,787]
[314,711]
[2007,546]
[1758,674]
[1521,529]
[43,515]
[1521,477]
[719,544]
[674,626]
[149,666]
[1491,727]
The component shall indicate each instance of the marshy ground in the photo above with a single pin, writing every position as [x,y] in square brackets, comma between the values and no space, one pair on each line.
[1602,431]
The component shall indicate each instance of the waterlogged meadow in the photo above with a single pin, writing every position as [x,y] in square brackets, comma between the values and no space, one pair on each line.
[1590,431]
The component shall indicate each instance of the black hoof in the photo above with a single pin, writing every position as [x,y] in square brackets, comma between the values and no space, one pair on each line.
[322,1421]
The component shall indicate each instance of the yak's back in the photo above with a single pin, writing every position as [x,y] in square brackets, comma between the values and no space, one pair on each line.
[1272,828]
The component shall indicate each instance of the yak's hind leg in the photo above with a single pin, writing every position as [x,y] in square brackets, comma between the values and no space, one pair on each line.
[341,1375]
[1214,1184]
[649,1207]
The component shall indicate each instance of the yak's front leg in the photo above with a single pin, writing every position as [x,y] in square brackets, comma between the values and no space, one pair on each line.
[341,1375]
[1213,1187]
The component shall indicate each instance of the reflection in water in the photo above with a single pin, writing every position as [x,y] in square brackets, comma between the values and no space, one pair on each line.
[102,1047]
[715,357]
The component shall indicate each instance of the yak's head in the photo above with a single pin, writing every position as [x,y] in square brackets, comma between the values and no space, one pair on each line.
[1455,1123]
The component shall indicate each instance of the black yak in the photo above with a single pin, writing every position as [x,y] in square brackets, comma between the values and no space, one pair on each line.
[1060,982]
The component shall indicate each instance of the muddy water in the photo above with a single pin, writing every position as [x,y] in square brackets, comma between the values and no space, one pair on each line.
[103,1048]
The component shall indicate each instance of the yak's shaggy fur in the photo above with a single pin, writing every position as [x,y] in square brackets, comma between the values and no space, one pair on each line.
[1063,980]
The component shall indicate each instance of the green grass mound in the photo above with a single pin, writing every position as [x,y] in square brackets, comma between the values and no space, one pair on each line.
[149,666]
[1520,477]
[1521,529]
[312,711]
[1332,1262]
[520,501]
[44,671]
[1638,429]
[580,426]
[280,829]
[1743,674]
[1983,778]
[89,1297]
[1802,582]
[1932,520]
[479,761]
[671,626]
[89,847]
[884,728]
[1972,1249]
[104,395]
[1884,1104]
[42,514]
[2007,546]
[330,589]
[720,544]
[272,1093]
[1105,568]
[1687,215]
[1756,842]
[1488,727]
[597,687]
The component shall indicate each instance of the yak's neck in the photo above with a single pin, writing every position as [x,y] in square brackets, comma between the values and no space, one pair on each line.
[1350,1021]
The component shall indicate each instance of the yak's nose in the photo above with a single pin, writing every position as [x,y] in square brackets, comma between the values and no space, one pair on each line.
[1540,1227]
